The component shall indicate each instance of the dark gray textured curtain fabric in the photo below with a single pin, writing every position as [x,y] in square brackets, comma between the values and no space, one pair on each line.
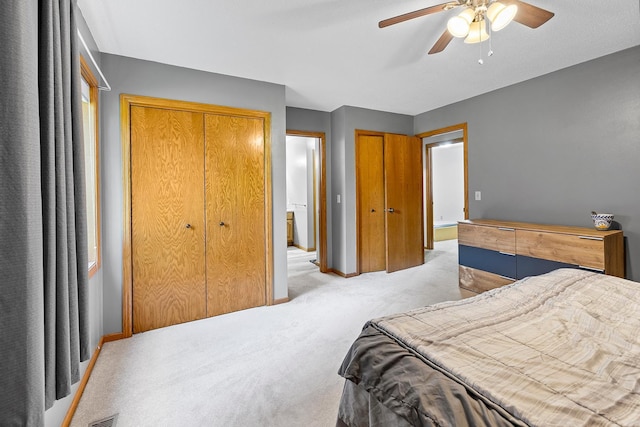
[21,274]
[43,251]
[64,220]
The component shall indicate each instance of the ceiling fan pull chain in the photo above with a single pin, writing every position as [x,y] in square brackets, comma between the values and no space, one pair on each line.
[480,61]
[490,53]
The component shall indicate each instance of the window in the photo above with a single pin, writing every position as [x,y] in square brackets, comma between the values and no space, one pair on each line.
[90,128]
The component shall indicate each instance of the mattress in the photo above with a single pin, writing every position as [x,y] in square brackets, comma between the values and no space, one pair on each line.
[560,349]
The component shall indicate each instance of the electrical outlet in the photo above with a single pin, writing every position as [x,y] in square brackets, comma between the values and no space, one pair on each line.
[478,195]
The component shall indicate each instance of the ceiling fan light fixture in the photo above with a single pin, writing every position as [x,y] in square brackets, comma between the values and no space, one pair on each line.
[458,26]
[471,23]
[501,15]
[477,32]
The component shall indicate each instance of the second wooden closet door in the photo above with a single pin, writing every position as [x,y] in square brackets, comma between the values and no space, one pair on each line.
[403,200]
[235,208]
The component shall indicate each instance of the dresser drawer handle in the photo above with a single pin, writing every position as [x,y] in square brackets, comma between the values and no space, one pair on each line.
[506,229]
[506,253]
[597,270]
[590,238]
[508,278]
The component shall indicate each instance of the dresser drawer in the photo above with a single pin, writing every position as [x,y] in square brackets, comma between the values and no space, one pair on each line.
[528,266]
[585,251]
[501,264]
[480,281]
[501,239]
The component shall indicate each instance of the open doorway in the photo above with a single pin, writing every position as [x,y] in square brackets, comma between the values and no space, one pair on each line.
[446,182]
[306,195]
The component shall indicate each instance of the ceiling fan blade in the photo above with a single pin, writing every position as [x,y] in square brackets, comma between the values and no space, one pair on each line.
[442,42]
[529,15]
[415,14]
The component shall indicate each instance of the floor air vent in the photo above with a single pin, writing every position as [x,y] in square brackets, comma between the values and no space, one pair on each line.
[105,422]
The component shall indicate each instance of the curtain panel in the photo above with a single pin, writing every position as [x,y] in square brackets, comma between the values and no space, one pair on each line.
[44,331]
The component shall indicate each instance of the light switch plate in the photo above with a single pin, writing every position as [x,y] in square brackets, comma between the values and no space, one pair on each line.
[478,195]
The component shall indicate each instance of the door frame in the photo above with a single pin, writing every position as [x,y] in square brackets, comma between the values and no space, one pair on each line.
[321,245]
[126,102]
[429,176]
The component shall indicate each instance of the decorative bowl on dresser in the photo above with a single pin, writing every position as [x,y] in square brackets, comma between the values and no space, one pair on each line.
[495,253]
[602,221]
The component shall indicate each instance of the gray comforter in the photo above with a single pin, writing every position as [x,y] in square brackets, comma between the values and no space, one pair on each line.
[561,349]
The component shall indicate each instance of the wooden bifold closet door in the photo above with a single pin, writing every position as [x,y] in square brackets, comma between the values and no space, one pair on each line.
[389,202]
[167,217]
[403,199]
[234,164]
[370,193]
[197,215]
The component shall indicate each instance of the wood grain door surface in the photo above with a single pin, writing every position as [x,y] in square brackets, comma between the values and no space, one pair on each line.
[370,193]
[167,218]
[235,212]
[403,192]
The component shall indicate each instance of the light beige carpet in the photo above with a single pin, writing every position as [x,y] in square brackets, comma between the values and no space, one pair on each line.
[268,366]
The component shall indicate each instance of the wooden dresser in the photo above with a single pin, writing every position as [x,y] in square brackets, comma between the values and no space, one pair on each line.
[495,253]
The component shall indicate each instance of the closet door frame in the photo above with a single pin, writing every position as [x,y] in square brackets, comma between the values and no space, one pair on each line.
[126,102]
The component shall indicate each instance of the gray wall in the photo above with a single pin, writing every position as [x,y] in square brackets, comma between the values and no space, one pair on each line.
[137,77]
[302,119]
[345,121]
[554,148]
[309,120]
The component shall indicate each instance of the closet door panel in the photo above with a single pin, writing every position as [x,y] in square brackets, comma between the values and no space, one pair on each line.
[370,194]
[250,202]
[235,212]
[167,215]
[403,192]
[220,166]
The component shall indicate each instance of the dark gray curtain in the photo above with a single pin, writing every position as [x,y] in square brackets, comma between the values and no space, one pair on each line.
[43,250]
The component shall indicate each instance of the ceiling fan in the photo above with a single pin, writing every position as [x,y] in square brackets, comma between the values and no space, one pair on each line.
[471,22]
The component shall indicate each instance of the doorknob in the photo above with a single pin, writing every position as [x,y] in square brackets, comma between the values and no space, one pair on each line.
[373,210]
[391,210]
[188,226]
[221,223]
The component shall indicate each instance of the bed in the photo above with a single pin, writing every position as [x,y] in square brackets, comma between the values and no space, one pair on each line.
[560,349]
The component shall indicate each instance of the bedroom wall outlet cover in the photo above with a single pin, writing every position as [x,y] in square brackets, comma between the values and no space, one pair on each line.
[478,195]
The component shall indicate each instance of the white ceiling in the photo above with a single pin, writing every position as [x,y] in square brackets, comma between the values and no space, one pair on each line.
[329,53]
